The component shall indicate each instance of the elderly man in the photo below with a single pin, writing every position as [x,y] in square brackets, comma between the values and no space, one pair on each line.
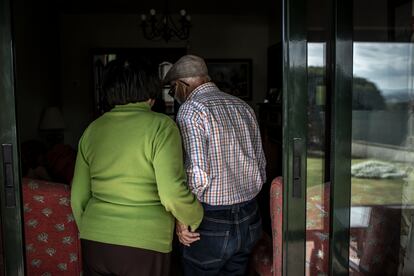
[225,167]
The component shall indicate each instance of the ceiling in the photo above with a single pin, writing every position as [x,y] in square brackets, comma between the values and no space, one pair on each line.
[238,7]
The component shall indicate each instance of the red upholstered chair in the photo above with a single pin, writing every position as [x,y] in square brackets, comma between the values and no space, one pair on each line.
[61,161]
[51,235]
[267,255]
[318,239]
[378,246]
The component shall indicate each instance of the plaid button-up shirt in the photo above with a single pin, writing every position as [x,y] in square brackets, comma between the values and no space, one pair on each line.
[224,160]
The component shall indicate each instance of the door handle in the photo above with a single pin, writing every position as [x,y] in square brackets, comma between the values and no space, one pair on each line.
[297,167]
[8,172]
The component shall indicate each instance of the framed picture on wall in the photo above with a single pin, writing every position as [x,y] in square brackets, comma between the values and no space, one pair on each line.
[233,76]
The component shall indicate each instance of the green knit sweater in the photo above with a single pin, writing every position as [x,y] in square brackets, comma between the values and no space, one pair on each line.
[129,183]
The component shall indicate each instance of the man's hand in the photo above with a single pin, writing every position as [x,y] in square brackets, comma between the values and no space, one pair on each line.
[185,236]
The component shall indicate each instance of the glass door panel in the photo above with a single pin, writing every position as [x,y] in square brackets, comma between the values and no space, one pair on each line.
[382,168]
[382,212]
[317,190]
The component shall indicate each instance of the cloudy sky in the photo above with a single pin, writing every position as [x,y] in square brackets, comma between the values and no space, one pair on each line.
[385,64]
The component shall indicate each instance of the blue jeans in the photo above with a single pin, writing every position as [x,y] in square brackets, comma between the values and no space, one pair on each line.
[227,236]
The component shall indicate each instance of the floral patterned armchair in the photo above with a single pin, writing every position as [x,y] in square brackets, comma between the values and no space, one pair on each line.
[317,238]
[267,255]
[51,235]
[377,245]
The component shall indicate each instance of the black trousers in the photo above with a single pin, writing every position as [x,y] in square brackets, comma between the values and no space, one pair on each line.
[116,260]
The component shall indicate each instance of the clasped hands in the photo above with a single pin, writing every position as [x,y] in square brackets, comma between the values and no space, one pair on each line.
[185,236]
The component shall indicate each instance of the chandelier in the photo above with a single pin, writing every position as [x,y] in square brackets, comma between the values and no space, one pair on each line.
[163,26]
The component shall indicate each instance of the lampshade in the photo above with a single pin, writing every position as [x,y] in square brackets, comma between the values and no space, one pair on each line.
[52,118]
[163,68]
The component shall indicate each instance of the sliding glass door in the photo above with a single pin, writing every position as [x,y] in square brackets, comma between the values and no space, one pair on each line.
[317,136]
[349,137]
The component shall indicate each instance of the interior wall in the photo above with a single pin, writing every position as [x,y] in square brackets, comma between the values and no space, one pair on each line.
[36,37]
[218,36]
[275,22]
[375,27]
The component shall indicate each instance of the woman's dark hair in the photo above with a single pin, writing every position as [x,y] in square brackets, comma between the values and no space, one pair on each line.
[130,81]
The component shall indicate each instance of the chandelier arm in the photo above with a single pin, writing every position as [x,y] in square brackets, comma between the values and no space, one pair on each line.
[183,32]
[164,26]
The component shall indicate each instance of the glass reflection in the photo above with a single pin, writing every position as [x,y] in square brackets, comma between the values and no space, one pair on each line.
[382,213]
[317,203]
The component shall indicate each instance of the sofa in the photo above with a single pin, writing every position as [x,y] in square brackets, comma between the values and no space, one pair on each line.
[51,235]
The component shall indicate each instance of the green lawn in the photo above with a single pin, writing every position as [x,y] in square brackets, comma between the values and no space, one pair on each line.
[367,191]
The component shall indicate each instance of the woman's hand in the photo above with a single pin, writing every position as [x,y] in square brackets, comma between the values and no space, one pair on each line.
[185,236]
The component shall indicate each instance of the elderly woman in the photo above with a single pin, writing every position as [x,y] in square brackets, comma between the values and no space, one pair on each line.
[129,184]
